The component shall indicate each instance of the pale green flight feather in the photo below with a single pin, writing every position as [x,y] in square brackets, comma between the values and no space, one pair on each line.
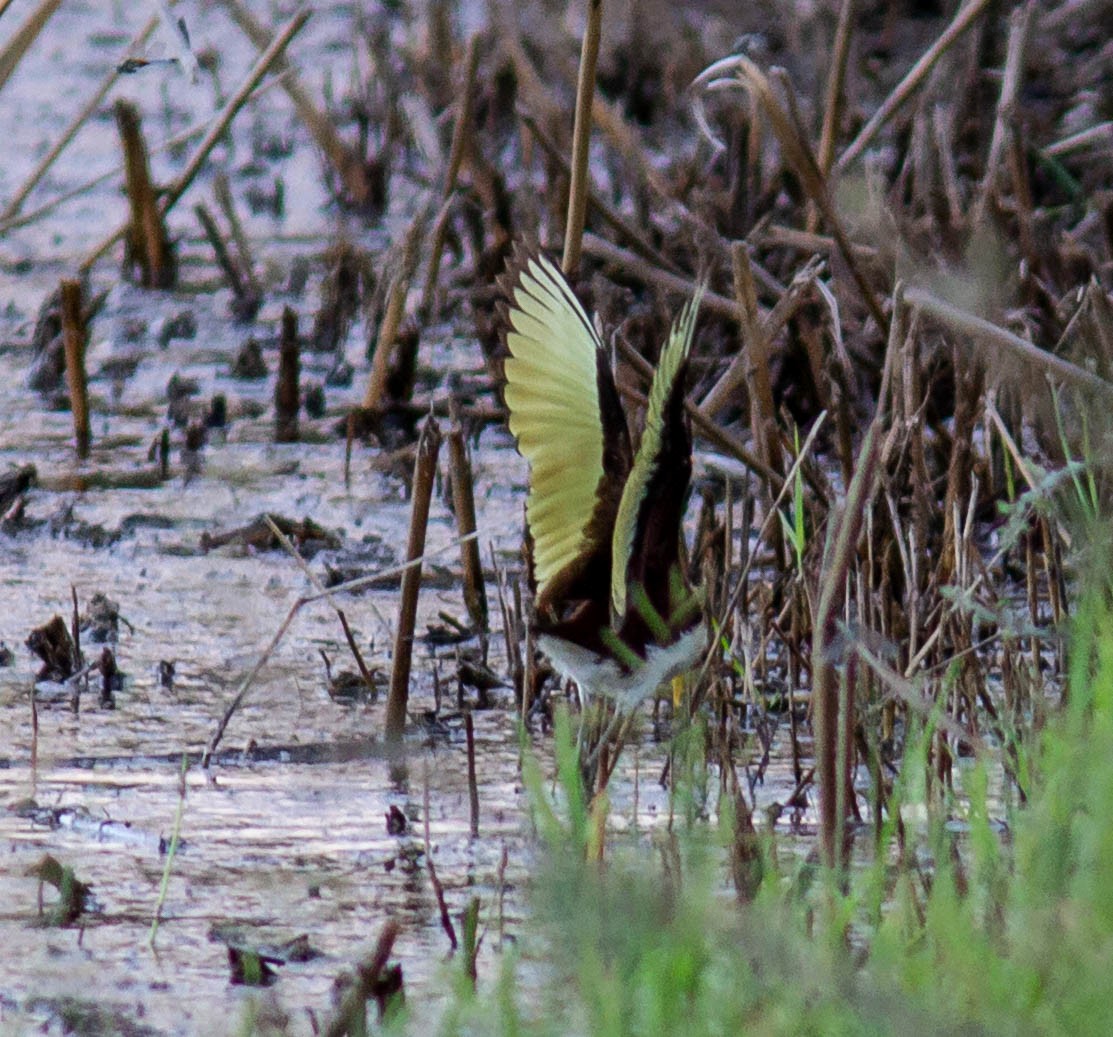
[649,449]
[553,396]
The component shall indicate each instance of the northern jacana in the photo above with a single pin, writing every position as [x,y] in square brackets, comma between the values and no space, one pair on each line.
[614,610]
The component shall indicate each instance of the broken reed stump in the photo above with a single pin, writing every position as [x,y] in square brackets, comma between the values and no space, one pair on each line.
[425,470]
[375,395]
[73,340]
[146,244]
[286,391]
[463,503]
[246,300]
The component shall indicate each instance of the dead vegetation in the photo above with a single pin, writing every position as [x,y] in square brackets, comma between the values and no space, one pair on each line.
[902,361]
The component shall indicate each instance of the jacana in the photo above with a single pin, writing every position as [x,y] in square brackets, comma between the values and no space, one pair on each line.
[614,610]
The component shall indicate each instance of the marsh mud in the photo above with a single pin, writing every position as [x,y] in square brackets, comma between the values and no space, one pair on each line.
[286,834]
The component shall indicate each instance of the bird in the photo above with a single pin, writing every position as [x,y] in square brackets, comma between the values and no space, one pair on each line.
[613,609]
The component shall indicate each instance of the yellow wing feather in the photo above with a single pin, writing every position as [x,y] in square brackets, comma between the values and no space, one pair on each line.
[553,396]
[649,449]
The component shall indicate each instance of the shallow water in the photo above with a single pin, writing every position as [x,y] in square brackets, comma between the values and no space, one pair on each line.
[293,839]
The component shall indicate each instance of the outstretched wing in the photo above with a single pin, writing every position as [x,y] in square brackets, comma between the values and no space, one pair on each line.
[665,440]
[562,399]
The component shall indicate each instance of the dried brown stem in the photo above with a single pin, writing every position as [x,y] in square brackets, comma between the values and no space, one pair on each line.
[24,36]
[67,135]
[375,395]
[147,243]
[224,258]
[836,77]
[463,502]
[351,1013]
[911,82]
[581,139]
[473,785]
[461,135]
[434,881]
[286,392]
[1019,22]
[425,470]
[1008,343]
[73,339]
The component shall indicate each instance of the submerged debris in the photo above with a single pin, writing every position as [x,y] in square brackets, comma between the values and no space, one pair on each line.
[53,644]
[257,535]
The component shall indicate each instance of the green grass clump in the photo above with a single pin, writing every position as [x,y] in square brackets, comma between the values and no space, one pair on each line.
[974,929]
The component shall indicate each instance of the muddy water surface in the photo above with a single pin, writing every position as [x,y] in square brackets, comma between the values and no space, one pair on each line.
[287,833]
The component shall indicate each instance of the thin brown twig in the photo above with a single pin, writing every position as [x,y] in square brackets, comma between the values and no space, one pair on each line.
[581,139]
[966,17]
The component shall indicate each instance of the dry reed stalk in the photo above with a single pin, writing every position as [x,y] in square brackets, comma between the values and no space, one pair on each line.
[24,36]
[763,417]
[223,192]
[461,136]
[830,720]
[797,153]
[326,592]
[286,392]
[147,245]
[1019,23]
[425,470]
[966,17]
[73,339]
[1005,342]
[968,394]
[602,249]
[832,102]
[216,129]
[227,264]
[767,326]
[832,698]
[375,395]
[348,163]
[404,260]
[581,140]
[350,1016]
[463,502]
[67,135]
[638,242]
[512,635]
[349,437]
[434,881]
[473,785]
[1101,134]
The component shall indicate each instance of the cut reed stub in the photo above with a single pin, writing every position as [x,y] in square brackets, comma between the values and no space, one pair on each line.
[73,340]
[147,249]
[286,391]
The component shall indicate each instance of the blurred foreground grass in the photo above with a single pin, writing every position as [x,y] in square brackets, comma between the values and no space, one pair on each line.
[972,928]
